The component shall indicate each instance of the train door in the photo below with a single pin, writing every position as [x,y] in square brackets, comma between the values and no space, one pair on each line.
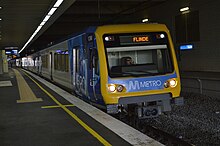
[76,73]
[95,74]
[94,79]
[51,65]
[40,66]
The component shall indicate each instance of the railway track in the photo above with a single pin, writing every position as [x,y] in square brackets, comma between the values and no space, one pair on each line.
[155,133]
[164,137]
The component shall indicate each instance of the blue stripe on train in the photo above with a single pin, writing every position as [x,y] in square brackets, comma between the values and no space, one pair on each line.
[144,83]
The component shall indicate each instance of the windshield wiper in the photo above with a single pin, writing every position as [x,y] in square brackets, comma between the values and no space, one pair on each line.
[135,74]
[148,73]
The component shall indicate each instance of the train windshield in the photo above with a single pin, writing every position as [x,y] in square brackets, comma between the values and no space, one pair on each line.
[140,54]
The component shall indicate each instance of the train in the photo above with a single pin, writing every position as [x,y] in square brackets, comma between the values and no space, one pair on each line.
[130,68]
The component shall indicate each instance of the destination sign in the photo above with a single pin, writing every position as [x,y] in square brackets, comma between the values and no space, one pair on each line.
[140,39]
[134,39]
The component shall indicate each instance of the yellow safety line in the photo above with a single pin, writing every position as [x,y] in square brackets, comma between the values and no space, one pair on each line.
[25,91]
[90,130]
[57,106]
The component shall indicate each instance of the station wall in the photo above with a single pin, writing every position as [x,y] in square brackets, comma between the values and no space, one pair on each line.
[205,56]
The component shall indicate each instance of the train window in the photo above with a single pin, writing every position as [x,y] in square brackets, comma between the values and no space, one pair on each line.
[94,60]
[55,61]
[67,61]
[44,59]
[77,60]
[96,63]
[61,61]
[90,57]
[148,57]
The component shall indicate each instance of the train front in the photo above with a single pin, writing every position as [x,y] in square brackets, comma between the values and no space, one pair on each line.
[138,69]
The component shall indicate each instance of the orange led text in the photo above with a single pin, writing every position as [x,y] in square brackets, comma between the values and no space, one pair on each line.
[140,39]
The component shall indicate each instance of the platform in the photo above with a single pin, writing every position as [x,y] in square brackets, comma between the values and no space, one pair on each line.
[36,112]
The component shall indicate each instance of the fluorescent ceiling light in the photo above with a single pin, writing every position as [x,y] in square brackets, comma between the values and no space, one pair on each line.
[22,48]
[34,33]
[184,9]
[0,19]
[11,48]
[38,28]
[42,23]
[46,18]
[52,11]
[145,20]
[58,3]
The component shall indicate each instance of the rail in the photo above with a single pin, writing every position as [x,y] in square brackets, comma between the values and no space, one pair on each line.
[164,137]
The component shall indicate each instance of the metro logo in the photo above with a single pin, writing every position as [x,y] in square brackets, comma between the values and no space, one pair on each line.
[137,85]
[141,39]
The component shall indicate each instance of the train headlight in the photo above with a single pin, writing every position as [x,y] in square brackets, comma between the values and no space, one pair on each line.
[111,88]
[173,83]
[170,83]
[115,88]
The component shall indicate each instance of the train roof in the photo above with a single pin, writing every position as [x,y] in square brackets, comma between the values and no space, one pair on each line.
[139,27]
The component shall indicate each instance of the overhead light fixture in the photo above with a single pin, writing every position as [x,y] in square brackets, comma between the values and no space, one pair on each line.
[38,29]
[145,20]
[0,19]
[42,23]
[0,7]
[46,18]
[58,3]
[52,11]
[184,9]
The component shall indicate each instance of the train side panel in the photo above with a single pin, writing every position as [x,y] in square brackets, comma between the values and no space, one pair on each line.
[54,64]
[45,72]
[60,66]
[78,65]
[84,66]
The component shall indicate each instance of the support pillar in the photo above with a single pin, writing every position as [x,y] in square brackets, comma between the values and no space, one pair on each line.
[5,62]
[1,62]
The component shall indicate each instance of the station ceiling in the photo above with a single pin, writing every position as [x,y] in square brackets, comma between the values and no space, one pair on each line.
[20,18]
